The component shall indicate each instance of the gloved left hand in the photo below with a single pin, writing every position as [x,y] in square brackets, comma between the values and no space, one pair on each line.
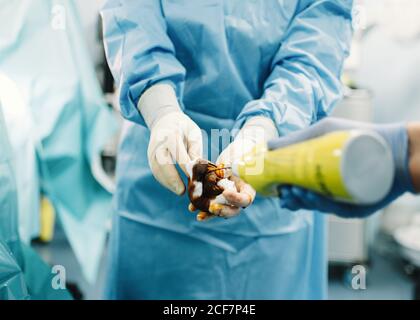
[255,131]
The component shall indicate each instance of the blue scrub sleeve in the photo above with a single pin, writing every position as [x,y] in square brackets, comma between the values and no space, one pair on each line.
[304,84]
[139,51]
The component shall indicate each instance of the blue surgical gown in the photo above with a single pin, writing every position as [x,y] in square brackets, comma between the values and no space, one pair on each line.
[23,275]
[228,60]
[61,127]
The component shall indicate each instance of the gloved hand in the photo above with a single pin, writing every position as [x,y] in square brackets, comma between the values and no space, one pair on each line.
[236,200]
[295,198]
[174,138]
[256,130]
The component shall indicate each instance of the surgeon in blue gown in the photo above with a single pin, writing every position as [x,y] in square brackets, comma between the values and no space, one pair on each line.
[216,64]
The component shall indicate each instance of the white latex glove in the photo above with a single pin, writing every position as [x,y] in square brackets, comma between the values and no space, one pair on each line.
[255,131]
[175,138]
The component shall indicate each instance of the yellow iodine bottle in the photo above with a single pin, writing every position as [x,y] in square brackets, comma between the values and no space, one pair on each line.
[350,166]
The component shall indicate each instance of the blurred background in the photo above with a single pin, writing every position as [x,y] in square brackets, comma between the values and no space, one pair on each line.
[61,118]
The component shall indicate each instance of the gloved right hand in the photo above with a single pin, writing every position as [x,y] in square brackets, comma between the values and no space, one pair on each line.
[295,198]
[174,138]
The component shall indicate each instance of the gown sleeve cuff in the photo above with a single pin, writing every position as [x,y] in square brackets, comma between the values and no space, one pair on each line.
[285,117]
[157,101]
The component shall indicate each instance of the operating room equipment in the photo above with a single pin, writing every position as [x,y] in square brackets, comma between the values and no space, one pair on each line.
[397,176]
[408,237]
[352,166]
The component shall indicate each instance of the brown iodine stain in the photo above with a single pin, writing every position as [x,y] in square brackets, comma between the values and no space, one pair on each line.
[209,175]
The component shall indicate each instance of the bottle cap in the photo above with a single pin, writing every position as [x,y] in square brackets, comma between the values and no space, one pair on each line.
[367,167]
